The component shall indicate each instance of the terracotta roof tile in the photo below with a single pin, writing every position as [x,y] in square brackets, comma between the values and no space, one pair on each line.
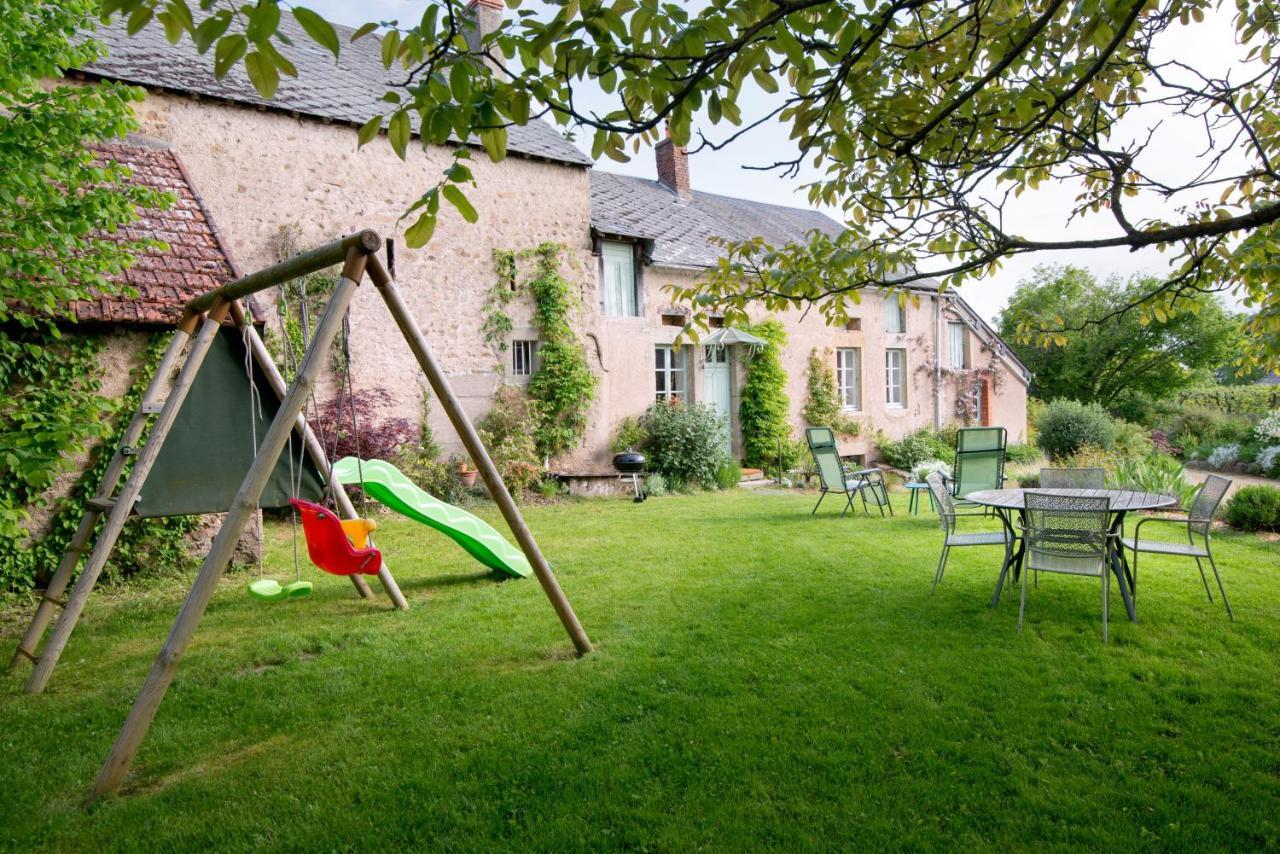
[164,280]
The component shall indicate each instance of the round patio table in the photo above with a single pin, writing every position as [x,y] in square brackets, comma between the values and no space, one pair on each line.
[1006,502]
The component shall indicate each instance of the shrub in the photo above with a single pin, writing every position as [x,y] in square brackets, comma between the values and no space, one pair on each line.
[655,484]
[763,408]
[686,442]
[439,478]
[1132,441]
[629,436]
[1255,400]
[729,474]
[1268,429]
[1255,508]
[913,449]
[1162,443]
[921,471]
[1224,455]
[508,430]
[1066,426]
[1196,424]
[1022,454]
[1029,481]
[375,437]
[1153,473]
[1269,460]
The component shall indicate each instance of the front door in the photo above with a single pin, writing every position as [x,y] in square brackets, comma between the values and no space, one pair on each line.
[716,374]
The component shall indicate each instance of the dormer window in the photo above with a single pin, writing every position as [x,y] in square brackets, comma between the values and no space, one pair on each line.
[619,294]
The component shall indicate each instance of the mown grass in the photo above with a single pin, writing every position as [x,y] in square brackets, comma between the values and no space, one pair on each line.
[762,679]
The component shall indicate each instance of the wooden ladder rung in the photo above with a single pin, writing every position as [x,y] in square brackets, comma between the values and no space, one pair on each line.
[152,408]
[23,651]
[101,503]
[61,603]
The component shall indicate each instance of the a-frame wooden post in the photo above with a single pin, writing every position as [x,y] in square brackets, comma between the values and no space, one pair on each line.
[479,455]
[121,505]
[162,672]
[79,543]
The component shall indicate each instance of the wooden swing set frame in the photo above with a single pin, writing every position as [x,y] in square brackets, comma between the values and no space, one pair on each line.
[200,323]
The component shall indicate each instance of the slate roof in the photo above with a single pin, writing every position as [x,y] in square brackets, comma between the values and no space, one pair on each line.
[347,90]
[625,206]
[194,262]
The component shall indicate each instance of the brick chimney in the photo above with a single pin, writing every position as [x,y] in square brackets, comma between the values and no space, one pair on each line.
[673,167]
[482,17]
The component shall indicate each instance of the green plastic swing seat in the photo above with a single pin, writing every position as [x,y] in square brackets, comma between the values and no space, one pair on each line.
[270,590]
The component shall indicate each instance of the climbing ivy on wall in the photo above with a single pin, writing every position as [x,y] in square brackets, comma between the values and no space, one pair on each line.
[497,320]
[55,387]
[299,302]
[563,384]
[764,405]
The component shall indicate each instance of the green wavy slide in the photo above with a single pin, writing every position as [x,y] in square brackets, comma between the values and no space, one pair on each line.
[387,485]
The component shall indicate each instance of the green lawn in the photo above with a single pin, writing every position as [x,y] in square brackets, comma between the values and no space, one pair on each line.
[762,679]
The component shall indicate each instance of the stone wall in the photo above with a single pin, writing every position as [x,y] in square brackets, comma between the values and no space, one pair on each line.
[260,170]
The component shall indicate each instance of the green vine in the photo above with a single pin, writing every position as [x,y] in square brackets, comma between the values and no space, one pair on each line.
[563,386]
[144,544]
[823,408]
[764,405]
[497,321]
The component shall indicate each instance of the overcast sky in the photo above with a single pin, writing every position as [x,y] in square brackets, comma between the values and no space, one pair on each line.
[1041,214]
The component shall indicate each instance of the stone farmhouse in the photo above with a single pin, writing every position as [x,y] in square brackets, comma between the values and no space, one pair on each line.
[253,166]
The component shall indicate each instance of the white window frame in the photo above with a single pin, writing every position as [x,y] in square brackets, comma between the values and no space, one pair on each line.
[849,378]
[522,351]
[895,378]
[670,364]
[955,344]
[619,291]
[895,315]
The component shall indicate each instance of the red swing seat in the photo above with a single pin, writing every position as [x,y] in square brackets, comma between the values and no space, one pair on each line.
[327,543]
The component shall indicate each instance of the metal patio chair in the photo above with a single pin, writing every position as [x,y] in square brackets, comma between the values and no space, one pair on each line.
[951,539]
[1073,478]
[1068,534]
[835,479]
[1199,522]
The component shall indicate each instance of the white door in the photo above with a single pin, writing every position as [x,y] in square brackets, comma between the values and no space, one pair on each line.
[716,374]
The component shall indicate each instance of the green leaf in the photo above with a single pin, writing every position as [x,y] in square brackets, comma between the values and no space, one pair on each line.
[369,130]
[264,20]
[363,31]
[262,74]
[139,19]
[419,234]
[455,197]
[495,142]
[318,28]
[229,51]
[398,133]
[390,48]
[210,29]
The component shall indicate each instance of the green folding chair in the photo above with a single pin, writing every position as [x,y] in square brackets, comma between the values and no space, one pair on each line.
[979,462]
[835,479]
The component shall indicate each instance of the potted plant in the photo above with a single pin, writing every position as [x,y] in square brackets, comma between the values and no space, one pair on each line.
[467,473]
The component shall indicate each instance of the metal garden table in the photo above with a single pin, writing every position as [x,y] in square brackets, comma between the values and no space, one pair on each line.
[1008,501]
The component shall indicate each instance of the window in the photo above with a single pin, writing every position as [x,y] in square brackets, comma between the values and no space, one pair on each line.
[618,281]
[895,315]
[521,358]
[895,378]
[669,372]
[955,344]
[848,377]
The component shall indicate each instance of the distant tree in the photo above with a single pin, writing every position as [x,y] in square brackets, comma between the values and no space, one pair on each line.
[1126,356]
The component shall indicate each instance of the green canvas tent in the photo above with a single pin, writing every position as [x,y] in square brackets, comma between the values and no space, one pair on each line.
[208,451]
